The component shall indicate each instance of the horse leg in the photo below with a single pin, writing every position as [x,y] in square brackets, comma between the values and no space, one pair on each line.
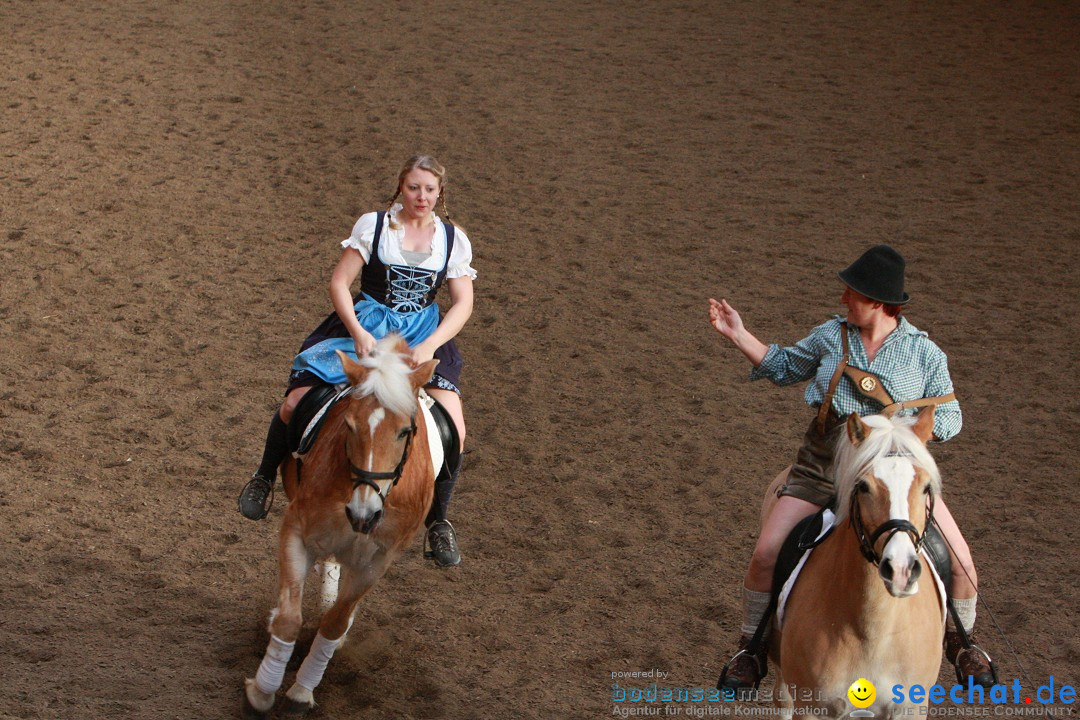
[783,700]
[285,621]
[332,630]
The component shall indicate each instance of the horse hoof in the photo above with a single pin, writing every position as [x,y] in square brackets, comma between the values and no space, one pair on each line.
[294,709]
[248,711]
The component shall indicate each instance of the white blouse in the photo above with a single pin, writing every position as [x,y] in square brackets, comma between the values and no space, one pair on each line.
[363,235]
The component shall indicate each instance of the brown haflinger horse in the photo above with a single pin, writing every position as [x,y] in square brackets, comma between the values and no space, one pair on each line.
[858,610]
[367,485]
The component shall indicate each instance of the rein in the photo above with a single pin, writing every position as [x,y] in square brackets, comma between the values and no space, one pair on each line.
[891,526]
[367,477]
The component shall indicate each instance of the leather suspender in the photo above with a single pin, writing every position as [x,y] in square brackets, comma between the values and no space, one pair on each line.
[826,404]
[922,402]
[868,385]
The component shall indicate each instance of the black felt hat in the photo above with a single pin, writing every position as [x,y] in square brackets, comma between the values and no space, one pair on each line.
[879,275]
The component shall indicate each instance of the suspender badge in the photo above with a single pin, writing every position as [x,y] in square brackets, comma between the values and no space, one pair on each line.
[868,384]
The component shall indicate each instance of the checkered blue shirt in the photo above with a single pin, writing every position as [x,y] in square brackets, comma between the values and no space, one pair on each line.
[909,365]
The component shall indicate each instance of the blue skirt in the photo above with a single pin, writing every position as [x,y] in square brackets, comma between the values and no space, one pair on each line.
[317,362]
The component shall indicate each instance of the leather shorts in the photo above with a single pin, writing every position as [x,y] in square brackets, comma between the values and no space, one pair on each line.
[811,476]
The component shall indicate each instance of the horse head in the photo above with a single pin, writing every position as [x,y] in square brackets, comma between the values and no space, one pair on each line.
[887,482]
[381,419]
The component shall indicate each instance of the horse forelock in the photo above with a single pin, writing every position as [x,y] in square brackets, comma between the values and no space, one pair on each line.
[389,379]
[888,436]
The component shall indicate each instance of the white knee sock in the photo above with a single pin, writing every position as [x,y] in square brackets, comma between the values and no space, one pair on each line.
[754,606]
[965,608]
[272,668]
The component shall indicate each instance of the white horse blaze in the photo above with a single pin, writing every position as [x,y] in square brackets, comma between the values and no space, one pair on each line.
[898,473]
[372,503]
[374,419]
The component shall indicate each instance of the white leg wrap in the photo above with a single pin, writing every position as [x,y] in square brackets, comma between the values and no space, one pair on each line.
[311,671]
[272,668]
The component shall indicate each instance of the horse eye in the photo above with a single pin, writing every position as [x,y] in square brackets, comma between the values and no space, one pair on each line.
[403,434]
[928,490]
[863,486]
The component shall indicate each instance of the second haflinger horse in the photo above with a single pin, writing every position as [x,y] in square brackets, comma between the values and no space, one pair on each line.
[367,485]
[866,604]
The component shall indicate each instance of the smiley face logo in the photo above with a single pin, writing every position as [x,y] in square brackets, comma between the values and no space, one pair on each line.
[862,693]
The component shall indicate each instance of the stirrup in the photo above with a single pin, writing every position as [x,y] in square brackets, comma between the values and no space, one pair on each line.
[960,675]
[741,690]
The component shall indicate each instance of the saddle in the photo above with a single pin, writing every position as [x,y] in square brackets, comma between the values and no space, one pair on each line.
[802,538]
[310,411]
[313,409]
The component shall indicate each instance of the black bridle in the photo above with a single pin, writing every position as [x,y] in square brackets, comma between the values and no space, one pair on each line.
[367,477]
[890,526]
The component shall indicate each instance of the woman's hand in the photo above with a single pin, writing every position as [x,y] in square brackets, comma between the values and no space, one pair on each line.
[421,354]
[364,342]
[725,319]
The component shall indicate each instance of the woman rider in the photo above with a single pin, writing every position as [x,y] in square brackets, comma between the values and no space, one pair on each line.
[911,367]
[402,256]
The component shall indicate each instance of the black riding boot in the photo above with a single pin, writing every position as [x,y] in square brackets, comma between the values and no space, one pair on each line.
[441,537]
[258,495]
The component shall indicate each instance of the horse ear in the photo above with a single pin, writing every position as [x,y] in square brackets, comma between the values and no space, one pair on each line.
[924,426]
[354,371]
[422,374]
[857,430]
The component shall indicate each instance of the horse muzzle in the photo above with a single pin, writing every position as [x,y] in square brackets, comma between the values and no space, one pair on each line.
[363,522]
[901,579]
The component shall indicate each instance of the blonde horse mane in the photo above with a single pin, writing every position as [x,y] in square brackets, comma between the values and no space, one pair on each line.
[388,379]
[887,436]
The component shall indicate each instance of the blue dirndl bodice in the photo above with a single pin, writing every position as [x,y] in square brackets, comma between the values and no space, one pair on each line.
[395,299]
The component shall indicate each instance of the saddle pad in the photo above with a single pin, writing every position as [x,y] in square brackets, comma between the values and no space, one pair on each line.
[828,521]
[435,439]
[447,431]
